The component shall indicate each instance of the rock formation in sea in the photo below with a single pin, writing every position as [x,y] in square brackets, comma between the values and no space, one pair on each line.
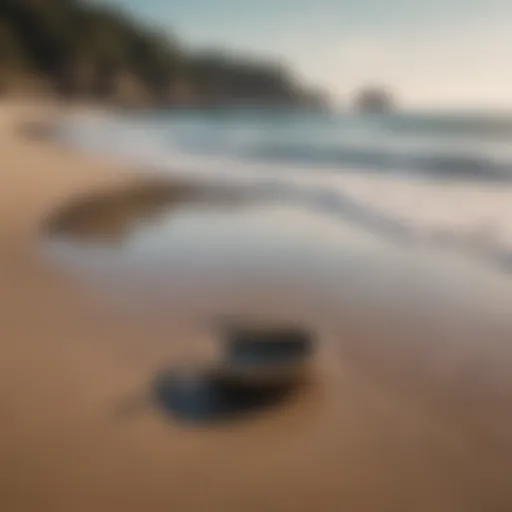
[374,100]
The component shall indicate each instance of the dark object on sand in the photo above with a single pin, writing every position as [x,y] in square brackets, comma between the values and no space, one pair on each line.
[259,368]
[266,357]
[203,395]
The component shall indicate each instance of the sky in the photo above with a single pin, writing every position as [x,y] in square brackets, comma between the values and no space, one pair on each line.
[428,52]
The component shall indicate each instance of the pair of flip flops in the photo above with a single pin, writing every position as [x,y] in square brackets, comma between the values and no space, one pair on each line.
[260,368]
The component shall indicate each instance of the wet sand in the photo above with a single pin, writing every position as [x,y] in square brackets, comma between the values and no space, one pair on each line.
[409,408]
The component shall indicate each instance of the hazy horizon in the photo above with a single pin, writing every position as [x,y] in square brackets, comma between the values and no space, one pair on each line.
[444,53]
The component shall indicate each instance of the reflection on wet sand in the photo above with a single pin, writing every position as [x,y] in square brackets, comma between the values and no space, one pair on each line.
[109,217]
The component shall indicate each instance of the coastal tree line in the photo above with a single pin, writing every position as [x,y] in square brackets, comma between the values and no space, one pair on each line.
[84,50]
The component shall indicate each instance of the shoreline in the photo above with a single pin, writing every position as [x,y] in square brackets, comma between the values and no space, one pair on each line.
[404,416]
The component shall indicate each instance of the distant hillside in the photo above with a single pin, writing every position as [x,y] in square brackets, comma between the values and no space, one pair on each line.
[80,50]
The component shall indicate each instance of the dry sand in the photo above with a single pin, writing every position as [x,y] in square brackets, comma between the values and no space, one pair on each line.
[389,425]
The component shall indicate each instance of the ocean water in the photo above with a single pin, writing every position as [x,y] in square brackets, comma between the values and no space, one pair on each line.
[440,180]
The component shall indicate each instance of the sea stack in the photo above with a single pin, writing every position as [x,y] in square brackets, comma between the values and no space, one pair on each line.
[374,100]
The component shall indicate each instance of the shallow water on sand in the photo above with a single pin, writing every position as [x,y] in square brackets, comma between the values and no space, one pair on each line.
[218,255]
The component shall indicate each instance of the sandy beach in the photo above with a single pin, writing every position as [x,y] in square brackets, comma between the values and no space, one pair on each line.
[405,413]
